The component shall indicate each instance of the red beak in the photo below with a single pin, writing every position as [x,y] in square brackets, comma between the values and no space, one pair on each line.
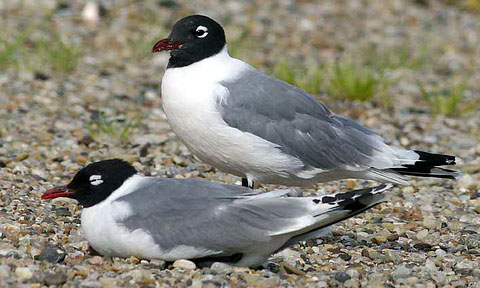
[165,45]
[59,191]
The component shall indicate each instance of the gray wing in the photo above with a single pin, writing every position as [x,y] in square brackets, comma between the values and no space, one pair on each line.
[300,125]
[226,219]
[203,214]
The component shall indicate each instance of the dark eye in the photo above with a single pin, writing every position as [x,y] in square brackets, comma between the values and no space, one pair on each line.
[201,32]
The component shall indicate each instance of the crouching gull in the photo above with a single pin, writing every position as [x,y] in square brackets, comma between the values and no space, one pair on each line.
[252,125]
[127,214]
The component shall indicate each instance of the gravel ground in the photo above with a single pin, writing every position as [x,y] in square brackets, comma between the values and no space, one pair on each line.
[53,121]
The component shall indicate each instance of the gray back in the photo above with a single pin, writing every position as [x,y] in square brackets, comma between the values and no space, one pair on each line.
[200,214]
[294,120]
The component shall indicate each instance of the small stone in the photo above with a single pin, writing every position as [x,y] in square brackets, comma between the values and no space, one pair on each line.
[408,190]
[440,252]
[221,268]
[342,276]
[23,274]
[150,139]
[465,219]
[95,260]
[422,234]
[467,183]
[51,254]
[379,239]
[133,260]
[22,156]
[365,253]
[345,256]
[423,246]
[159,264]
[40,76]
[74,258]
[392,237]
[472,241]
[431,223]
[168,3]
[54,278]
[81,159]
[108,282]
[62,211]
[86,140]
[184,264]
[401,272]
[338,233]
[464,267]
[289,256]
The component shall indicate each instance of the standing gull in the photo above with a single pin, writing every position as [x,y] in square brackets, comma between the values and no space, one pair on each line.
[252,125]
[127,214]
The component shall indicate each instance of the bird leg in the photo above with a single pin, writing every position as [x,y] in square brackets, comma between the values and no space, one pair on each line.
[248,183]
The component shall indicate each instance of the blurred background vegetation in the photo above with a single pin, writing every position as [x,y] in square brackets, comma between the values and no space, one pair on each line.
[410,59]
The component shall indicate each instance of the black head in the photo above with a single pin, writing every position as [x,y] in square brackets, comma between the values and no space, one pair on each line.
[94,183]
[192,39]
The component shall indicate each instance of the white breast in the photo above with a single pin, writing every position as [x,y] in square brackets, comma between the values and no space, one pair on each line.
[105,235]
[190,96]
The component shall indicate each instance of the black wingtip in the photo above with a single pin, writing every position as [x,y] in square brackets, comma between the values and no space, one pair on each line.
[434,172]
[355,200]
[430,159]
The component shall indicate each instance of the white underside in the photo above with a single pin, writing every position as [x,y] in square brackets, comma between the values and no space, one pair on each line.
[190,96]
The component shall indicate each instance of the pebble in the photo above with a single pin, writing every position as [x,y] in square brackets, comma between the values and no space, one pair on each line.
[401,272]
[184,264]
[440,252]
[23,273]
[96,260]
[344,256]
[159,264]
[379,239]
[51,254]
[465,219]
[222,268]
[57,278]
[74,258]
[342,276]
[423,246]
[422,234]
[63,211]
[431,223]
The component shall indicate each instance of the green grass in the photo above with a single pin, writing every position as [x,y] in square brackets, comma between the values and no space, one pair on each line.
[108,128]
[310,79]
[467,5]
[344,80]
[394,57]
[12,51]
[21,52]
[62,56]
[448,102]
[354,82]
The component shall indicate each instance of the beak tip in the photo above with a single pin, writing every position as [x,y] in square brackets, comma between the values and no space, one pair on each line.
[165,45]
[55,192]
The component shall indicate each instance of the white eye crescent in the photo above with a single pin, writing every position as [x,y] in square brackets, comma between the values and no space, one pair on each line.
[201,32]
[96,180]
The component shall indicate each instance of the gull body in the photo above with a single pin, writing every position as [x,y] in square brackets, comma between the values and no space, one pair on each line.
[126,214]
[241,121]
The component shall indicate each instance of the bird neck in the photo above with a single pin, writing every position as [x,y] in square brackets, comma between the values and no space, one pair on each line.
[186,59]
